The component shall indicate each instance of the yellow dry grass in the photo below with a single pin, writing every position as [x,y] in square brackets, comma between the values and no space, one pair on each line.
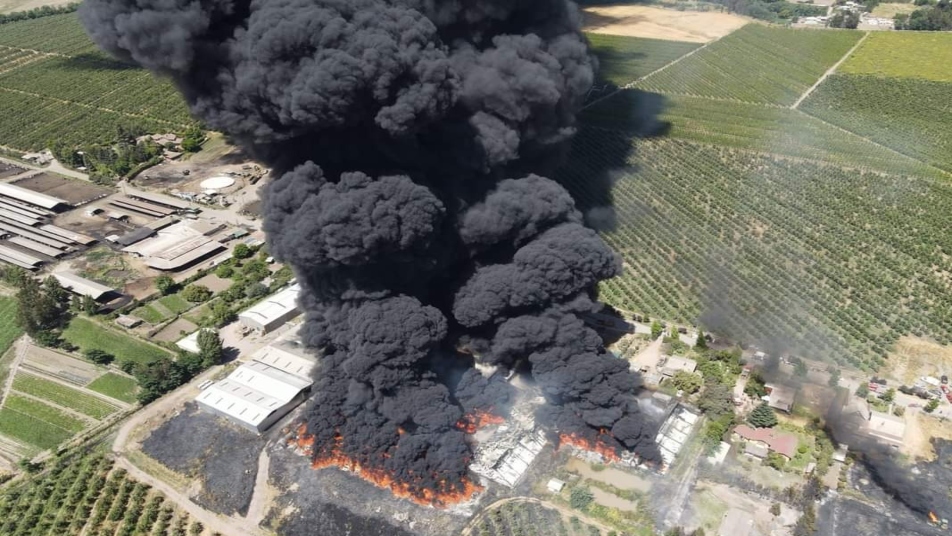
[914,357]
[888,11]
[920,431]
[658,23]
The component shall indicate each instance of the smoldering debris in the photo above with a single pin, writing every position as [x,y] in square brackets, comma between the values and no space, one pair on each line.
[404,135]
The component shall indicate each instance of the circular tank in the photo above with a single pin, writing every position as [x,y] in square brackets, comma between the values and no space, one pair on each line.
[217,183]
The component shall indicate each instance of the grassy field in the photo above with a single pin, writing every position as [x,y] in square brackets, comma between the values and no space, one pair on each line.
[926,55]
[44,412]
[64,396]
[88,334]
[625,59]
[54,84]
[149,314]
[176,303]
[757,64]
[9,330]
[30,430]
[910,116]
[116,386]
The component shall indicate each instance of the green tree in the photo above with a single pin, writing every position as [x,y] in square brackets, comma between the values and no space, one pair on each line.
[98,356]
[256,290]
[863,390]
[242,251]
[717,399]
[889,395]
[38,311]
[775,460]
[800,367]
[686,381]
[899,411]
[580,497]
[165,285]
[656,329]
[88,305]
[224,271]
[196,293]
[834,378]
[763,416]
[931,406]
[56,292]
[701,340]
[775,509]
[210,347]
[755,387]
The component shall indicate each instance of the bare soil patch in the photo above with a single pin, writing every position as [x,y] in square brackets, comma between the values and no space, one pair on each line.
[74,191]
[9,170]
[214,283]
[61,366]
[658,23]
[609,475]
[173,331]
[921,429]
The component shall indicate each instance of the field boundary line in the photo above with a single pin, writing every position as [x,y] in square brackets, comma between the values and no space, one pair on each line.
[89,421]
[20,347]
[829,71]
[631,84]
[116,404]
[83,105]
[50,54]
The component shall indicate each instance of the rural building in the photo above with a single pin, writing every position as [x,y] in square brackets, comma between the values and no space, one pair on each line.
[674,433]
[719,455]
[16,194]
[82,286]
[677,363]
[178,246]
[255,395]
[766,439]
[736,522]
[127,321]
[886,427]
[156,199]
[288,354]
[555,485]
[271,312]
[780,397]
[189,343]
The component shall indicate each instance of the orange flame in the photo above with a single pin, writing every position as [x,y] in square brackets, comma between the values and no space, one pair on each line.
[597,446]
[413,491]
[933,518]
[474,421]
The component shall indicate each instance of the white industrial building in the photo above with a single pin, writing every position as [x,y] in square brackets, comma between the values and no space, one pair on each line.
[255,395]
[271,312]
[258,393]
[674,433]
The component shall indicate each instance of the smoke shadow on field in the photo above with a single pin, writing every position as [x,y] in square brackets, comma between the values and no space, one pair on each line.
[95,61]
[603,150]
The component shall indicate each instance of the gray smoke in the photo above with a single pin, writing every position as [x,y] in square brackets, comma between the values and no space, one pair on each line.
[404,134]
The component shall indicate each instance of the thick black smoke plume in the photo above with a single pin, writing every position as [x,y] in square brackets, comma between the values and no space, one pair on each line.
[404,134]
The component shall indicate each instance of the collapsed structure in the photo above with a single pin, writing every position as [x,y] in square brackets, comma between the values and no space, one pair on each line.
[405,137]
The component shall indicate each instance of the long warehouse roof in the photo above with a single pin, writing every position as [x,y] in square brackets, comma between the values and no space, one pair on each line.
[31,197]
[160,199]
[19,255]
[274,307]
[81,285]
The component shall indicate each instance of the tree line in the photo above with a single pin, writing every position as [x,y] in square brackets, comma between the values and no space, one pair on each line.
[45,11]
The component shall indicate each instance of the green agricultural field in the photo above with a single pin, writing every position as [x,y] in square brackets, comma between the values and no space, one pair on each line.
[176,303]
[926,55]
[89,334]
[54,84]
[149,313]
[622,60]
[810,257]
[30,430]
[770,129]
[62,395]
[9,330]
[118,387]
[44,412]
[908,115]
[756,63]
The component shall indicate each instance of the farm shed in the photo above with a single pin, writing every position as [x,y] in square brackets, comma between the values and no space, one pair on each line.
[30,197]
[82,286]
[255,395]
[777,441]
[157,199]
[780,397]
[289,355]
[272,312]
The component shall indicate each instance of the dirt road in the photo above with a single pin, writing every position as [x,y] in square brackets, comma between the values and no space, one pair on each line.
[22,345]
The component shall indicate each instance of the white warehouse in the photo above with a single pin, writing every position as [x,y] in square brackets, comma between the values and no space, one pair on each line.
[271,312]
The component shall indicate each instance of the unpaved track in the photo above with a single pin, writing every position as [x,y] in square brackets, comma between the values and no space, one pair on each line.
[262,492]
[829,71]
[22,345]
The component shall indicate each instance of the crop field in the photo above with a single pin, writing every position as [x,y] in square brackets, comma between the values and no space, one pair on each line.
[9,330]
[54,84]
[86,496]
[529,519]
[925,55]
[623,59]
[88,334]
[908,115]
[763,128]
[755,64]
[115,386]
[63,396]
[808,257]
[40,425]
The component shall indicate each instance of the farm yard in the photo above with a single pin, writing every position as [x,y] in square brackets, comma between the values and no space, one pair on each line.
[87,495]
[786,227]
[54,84]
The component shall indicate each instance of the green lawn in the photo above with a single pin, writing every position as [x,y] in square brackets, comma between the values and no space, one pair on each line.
[116,386]
[88,334]
[9,330]
[149,314]
[31,430]
[63,396]
[44,412]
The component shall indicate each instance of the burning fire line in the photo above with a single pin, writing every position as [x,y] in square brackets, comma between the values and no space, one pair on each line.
[423,496]
[597,446]
[474,421]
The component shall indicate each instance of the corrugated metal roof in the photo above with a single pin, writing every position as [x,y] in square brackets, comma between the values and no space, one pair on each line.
[29,196]
[239,401]
[269,380]
[273,307]
[81,285]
